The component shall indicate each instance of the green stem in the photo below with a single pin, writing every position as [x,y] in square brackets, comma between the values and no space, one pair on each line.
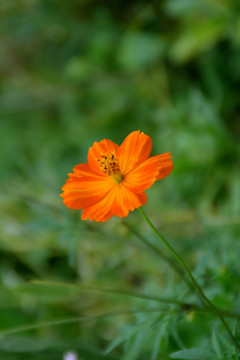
[157,251]
[194,282]
[182,305]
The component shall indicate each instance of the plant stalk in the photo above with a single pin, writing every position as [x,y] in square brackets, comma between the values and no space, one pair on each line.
[194,282]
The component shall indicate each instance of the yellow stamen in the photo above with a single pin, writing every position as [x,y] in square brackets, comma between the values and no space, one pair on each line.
[109,165]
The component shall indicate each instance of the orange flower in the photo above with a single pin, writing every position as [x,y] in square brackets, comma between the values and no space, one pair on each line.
[115,178]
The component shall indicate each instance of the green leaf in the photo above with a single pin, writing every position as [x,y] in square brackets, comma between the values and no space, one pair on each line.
[221,343]
[137,344]
[215,343]
[127,334]
[194,354]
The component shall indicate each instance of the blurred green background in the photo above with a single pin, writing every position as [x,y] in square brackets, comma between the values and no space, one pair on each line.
[77,71]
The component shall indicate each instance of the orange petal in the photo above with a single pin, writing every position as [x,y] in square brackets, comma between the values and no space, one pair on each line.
[119,201]
[85,188]
[141,178]
[166,166]
[126,200]
[135,149]
[104,147]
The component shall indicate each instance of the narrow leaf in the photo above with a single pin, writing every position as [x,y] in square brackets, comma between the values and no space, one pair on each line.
[193,354]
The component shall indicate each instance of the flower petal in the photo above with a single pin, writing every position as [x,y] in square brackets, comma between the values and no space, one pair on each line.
[126,200]
[141,178]
[166,166]
[85,188]
[104,147]
[135,149]
[119,201]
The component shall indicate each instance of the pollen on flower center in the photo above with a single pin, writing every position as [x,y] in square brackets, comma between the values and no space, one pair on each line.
[109,165]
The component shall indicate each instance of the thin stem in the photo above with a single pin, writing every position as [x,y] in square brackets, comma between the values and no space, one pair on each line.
[196,285]
[183,306]
[160,254]
[78,319]
[62,321]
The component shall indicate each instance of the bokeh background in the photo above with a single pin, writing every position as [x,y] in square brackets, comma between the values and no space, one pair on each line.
[77,71]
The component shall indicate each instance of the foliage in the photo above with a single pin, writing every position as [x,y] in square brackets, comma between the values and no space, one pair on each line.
[74,72]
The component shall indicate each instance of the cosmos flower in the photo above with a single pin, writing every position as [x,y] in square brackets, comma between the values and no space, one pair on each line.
[114,180]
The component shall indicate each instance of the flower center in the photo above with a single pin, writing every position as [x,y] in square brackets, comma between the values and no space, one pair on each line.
[109,165]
